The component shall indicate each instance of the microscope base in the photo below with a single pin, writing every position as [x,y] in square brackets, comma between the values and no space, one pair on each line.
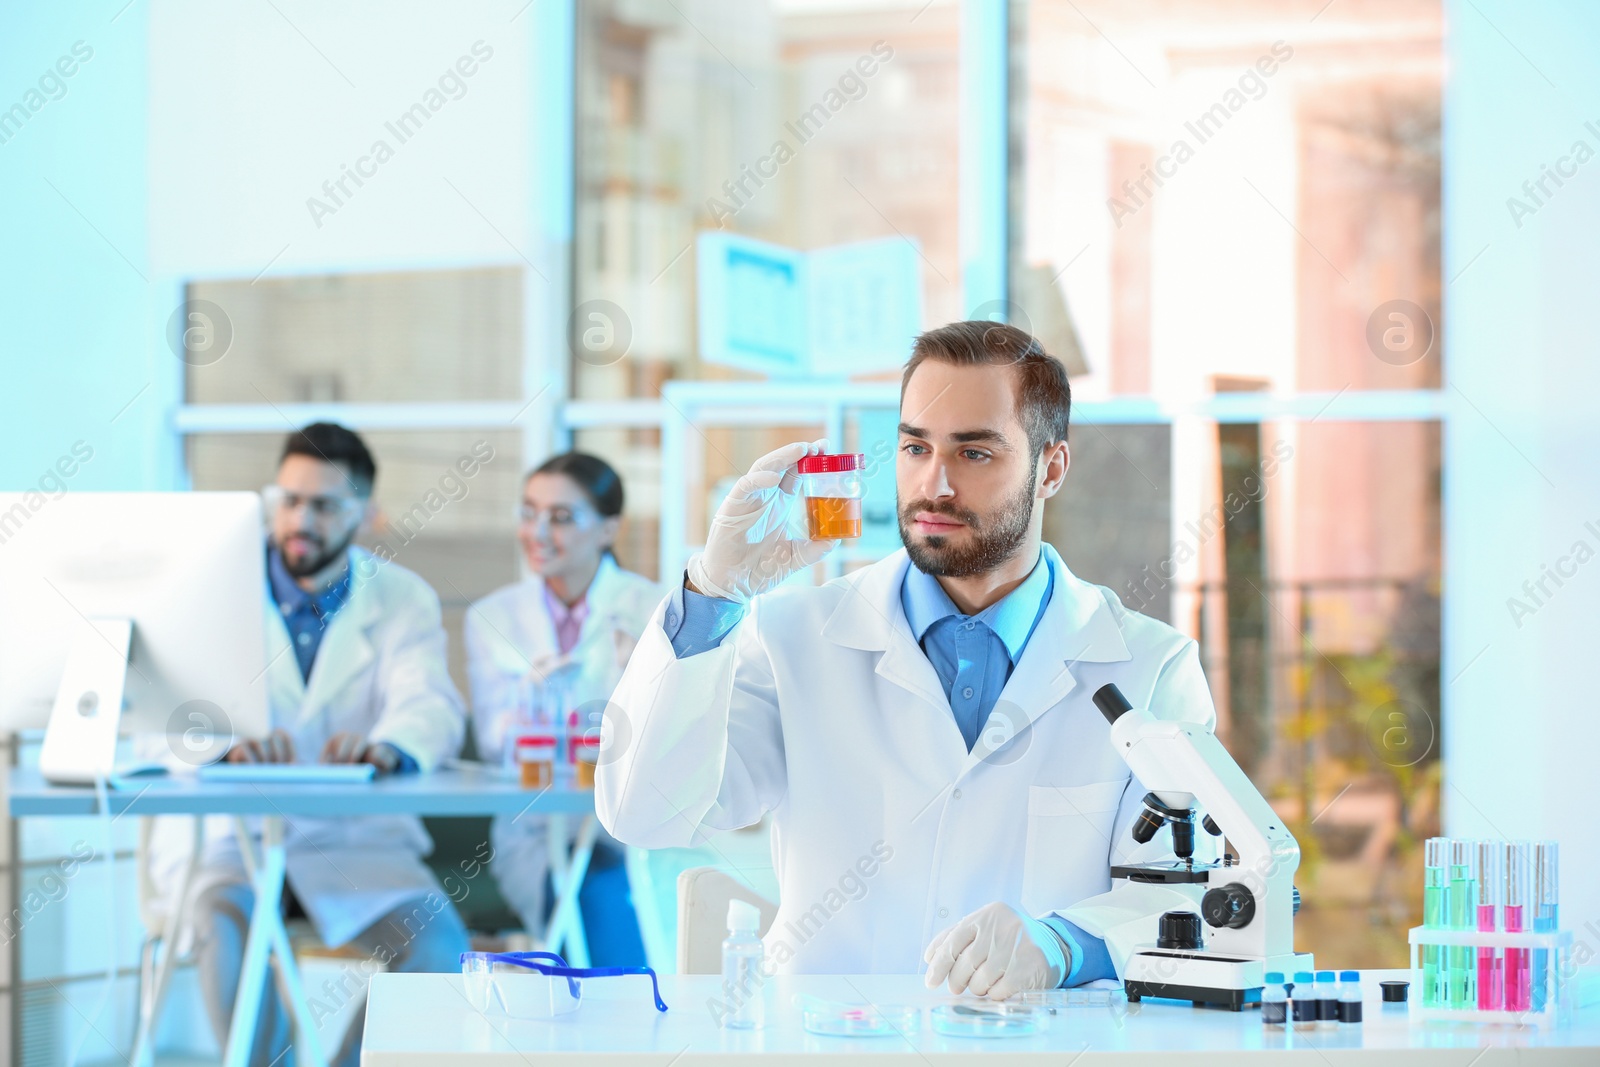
[1203,977]
[1199,996]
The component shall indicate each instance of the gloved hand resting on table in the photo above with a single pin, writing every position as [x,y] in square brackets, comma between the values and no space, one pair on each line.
[995,952]
[748,549]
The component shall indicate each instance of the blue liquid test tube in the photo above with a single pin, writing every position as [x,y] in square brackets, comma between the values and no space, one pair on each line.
[1545,916]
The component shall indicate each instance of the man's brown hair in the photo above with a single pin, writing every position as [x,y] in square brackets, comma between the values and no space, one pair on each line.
[1044,399]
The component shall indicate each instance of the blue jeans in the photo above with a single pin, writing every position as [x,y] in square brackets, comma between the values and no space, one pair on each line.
[610,924]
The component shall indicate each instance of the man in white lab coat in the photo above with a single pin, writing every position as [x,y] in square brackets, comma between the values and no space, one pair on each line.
[943,792]
[356,673]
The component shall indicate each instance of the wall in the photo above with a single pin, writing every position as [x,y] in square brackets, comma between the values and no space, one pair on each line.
[73,297]
[1520,731]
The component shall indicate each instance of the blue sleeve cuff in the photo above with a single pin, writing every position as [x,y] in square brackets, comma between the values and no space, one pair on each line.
[407,765]
[695,623]
[1090,959]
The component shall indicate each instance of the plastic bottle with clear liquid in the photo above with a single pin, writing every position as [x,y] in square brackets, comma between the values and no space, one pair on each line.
[742,978]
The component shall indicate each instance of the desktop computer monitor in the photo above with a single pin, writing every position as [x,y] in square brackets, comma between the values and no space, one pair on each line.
[138,611]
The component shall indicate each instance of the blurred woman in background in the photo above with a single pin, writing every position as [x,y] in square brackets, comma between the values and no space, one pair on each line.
[550,644]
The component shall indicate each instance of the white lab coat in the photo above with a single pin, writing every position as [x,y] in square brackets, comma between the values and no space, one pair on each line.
[821,709]
[505,633]
[380,671]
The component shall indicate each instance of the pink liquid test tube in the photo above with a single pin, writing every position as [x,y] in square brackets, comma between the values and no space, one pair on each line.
[1518,984]
[1491,987]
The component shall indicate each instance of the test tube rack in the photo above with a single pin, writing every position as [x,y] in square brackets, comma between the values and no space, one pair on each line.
[1556,945]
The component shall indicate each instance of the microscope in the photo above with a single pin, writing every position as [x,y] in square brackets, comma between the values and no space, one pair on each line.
[1244,924]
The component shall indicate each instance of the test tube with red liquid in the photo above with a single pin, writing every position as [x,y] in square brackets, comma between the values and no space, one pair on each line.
[1518,987]
[1491,977]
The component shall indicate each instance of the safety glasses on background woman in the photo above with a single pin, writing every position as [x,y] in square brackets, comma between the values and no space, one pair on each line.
[534,985]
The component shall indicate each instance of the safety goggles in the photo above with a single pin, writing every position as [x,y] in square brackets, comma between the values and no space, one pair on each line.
[275,498]
[534,985]
[561,515]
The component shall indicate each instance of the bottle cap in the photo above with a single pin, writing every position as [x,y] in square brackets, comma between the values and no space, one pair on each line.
[1349,976]
[832,464]
[1274,978]
[743,917]
[1301,977]
[1395,992]
[1325,976]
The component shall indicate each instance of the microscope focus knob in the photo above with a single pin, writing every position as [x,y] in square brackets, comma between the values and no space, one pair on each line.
[1178,930]
[1231,905]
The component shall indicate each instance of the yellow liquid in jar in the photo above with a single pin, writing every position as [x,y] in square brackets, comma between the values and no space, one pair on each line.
[831,518]
[536,773]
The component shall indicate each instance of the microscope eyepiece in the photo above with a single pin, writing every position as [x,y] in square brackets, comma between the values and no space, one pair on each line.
[1112,704]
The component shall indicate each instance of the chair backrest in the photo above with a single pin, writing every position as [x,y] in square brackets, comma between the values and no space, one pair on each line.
[155,901]
[152,904]
[703,895]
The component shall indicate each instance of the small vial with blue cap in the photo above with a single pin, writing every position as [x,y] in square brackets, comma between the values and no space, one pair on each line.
[1303,1005]
[1274,1002]
[1327,1000]
[1349,996]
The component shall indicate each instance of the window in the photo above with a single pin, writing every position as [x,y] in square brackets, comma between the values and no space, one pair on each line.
[1228,215]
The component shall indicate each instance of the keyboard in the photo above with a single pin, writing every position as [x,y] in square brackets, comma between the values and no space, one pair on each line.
[313,773]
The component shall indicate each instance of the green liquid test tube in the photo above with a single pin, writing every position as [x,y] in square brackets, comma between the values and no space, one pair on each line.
[1435,900]
[1460,962]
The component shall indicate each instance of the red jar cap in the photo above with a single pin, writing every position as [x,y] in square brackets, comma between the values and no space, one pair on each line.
[834,464]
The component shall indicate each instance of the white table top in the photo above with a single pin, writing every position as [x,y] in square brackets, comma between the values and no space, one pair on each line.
[424,1020]
[442,792]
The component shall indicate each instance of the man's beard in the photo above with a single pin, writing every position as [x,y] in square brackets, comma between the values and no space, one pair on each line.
[314,561]
[995,539]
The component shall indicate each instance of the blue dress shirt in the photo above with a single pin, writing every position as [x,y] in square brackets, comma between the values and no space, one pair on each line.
[305,615]
[973,656]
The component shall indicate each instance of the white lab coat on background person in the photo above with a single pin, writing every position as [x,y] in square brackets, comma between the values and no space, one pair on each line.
[821,708]
[380,671]
[509,635]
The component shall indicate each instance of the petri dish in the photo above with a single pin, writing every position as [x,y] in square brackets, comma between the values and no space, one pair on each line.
[832,1018]
[989,1020]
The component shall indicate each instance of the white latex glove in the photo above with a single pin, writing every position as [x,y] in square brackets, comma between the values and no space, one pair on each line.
[995,952]
[748,550]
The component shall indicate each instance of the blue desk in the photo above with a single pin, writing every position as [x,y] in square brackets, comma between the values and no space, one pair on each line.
[442,793]
[454,792]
